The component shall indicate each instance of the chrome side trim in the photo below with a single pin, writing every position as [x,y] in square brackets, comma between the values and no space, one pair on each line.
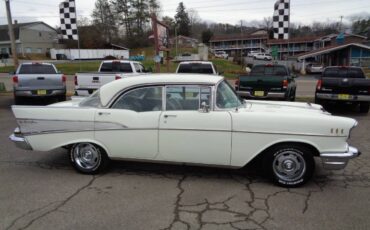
[337,161]
[20,142]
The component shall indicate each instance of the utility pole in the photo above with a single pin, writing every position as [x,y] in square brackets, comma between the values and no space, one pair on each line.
[341,21]
[11,34]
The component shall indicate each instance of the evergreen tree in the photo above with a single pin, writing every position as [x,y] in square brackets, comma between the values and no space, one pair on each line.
[182,20]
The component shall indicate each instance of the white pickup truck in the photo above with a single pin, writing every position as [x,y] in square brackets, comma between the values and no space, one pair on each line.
[87,83]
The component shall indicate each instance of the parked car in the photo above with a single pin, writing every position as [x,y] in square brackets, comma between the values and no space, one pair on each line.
[203,67]
[87,83]
[221,54]
[267,82]
[192,119]
[252,53]
[340,84]
[313,68]
[263,56]
[38,80]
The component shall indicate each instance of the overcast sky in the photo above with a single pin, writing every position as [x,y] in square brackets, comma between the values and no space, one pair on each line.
[225,11]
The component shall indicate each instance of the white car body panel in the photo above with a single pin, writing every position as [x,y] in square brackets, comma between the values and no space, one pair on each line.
[230,137]
[188,136]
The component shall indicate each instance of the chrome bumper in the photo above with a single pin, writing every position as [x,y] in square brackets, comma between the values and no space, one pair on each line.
[20,142]
[269,95]
[337,161]
[329,96]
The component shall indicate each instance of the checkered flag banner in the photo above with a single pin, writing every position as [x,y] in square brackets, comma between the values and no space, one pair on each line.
[281,19]
[68,19]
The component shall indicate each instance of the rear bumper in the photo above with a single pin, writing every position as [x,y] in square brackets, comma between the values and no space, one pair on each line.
[33,93]
[337,161]
[84,91]
[272,95]
[20,142]
[335,97]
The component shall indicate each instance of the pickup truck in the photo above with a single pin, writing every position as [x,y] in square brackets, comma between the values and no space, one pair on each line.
[38,80]
[202,67]
[339,84]
[87,83]
[267,82]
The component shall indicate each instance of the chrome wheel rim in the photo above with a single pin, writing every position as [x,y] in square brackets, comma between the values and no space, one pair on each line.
[289,165]
[86,156]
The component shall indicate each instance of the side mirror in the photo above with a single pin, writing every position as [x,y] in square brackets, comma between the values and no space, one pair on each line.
[294,76]
[221,73]
[204,108]
[248,70]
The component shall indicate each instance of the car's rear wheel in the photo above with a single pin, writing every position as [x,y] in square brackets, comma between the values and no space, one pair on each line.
[364,107]
[88,158]
[289,165]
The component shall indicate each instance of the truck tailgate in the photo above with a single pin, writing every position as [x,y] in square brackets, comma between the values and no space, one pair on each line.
[95,80]
[345,85]
[40,81]
[261,82]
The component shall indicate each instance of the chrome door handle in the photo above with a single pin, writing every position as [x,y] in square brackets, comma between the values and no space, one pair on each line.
[167,116]
[103,113]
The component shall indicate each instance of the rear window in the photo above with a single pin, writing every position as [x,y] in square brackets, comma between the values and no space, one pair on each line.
[116,67]
[269,70]
[195,68]
[37,69]
[343,73]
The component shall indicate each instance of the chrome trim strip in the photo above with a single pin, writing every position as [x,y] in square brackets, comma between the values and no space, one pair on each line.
[337,161]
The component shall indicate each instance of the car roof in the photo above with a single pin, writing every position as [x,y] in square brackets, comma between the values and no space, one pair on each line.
[196,62]
[120,61]
[36,63]
[108,91]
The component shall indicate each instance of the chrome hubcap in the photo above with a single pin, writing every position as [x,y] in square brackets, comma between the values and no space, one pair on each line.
[289,165]
[86,156]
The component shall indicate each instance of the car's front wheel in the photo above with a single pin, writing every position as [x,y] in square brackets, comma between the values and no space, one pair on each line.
[88,158]
[289,165]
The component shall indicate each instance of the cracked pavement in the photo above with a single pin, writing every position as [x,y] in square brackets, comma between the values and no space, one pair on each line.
[40,190]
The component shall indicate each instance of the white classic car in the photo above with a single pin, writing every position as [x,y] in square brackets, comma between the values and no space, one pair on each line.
[187,119]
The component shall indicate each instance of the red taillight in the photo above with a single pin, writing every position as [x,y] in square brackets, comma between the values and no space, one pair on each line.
[237,83]
[76,81]
[319,84]
[118,77]
[285,84]
[15,79]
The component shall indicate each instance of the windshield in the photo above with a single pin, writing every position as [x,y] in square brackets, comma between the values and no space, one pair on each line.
[37,69]
[226,97]
[91,101]
[195,68]
[269,71]
[344,73]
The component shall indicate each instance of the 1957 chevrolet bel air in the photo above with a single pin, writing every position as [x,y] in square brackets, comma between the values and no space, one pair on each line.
[187,119]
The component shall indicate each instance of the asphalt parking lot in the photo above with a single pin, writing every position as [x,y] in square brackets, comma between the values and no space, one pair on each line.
[40,190]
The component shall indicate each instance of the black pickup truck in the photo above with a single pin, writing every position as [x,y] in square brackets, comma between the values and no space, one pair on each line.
[344,85]
[267,82]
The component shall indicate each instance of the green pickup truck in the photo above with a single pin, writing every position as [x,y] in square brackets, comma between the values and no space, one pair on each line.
[267,82]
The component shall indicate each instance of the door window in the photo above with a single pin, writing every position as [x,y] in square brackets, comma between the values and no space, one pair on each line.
[226,97]
[141,100]
[187,97]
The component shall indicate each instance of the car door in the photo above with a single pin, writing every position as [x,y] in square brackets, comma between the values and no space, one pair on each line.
[190,134]
[129,128]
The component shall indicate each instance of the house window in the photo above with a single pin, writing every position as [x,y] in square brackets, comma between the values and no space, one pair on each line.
[39,50]
[4,50]
[40,34]
[28,50]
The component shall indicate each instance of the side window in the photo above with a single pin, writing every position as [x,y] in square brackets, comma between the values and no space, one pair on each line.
[187,97]
[141,100]
[138,68]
